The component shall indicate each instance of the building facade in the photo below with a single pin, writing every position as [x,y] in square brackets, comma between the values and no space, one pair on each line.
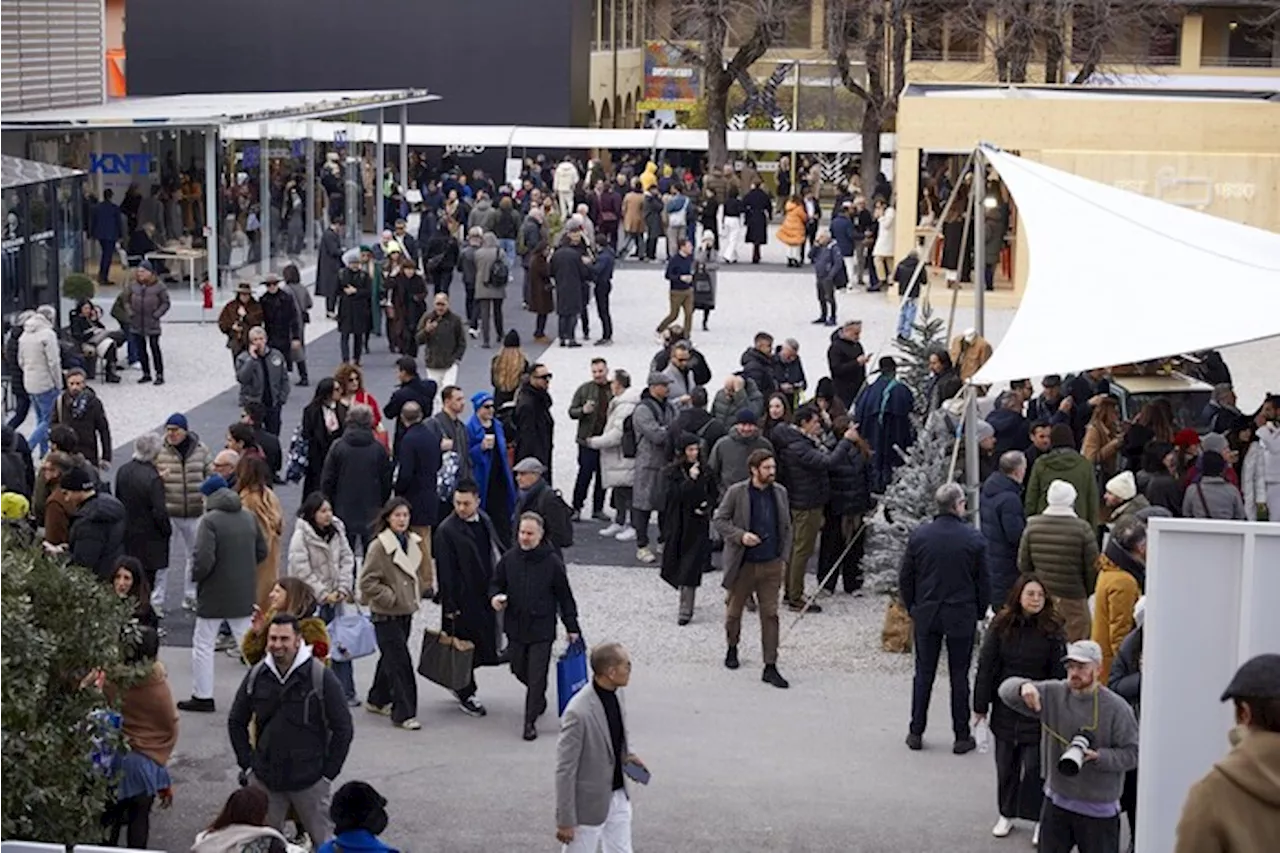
[51,54]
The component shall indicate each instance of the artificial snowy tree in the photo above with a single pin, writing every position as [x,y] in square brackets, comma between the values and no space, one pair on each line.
[908,501]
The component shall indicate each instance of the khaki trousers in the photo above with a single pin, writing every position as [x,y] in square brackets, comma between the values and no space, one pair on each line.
[806,524]
[1075,613]
[763,580]
[681,300]
[427,571]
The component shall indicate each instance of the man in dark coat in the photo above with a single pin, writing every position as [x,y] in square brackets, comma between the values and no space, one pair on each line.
[79,408]
[529,585]
[263,374]
[96,537]
[355,307]
[883,415]
[280,318]
[534,423]
[570,271]
[255,415]
[412,389]
[758,208]
[1002,523]
[141,490]
[329,264]
[417,466]
[466,551]
[698,422]
[1010,426]
[357,476]
[757,364]
[535,495]
[847,361]
[943,584]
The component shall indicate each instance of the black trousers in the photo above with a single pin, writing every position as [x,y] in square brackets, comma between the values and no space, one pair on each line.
[152,341]
[928,650]
[602,308]
[568,326]
[530,663]
[394,682]
[1129,800]
[588,467]
[347,350]
[133,815]
[271,420]
[651,246]
[836,529]
[1019,788]
[1062,831]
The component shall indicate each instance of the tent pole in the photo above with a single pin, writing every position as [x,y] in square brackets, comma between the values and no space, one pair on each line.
[979,243]
[309,192]
[926,251]
[264,198]
[211,193]
[964,249]
[381,156]
[971,451]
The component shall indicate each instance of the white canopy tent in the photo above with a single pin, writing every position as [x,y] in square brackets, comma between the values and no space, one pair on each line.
[519,136]
[1116,277]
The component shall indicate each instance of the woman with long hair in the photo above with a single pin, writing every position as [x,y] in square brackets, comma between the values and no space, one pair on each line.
[1025,639]
[687,522]
[350,379]
[776,411]
[1103,438]
[253,484]
[507,369]
[1158,480]
[323,420]
[389,586]
[128,580]
[241,826]
[1154,422]
[321,557]
[292,596]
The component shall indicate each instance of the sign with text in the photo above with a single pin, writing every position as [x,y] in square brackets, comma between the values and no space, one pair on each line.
[671,82]
[120,164]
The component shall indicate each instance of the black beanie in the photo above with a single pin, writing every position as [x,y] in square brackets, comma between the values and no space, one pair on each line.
[1062,436]
[512,339]
[1212,464]
[357,805]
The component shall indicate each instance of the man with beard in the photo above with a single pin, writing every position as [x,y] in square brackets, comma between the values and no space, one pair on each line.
[79,408]
[534,423]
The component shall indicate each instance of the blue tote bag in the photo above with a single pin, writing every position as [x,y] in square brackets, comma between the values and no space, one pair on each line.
[571,672]
[351,635]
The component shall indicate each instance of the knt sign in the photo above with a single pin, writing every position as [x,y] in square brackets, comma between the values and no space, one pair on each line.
[120,164]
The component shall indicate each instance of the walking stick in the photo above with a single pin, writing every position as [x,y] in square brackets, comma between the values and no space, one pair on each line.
[830,573]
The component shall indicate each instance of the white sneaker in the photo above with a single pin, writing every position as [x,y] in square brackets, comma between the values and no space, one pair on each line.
[474,333]
[1035,835]
[626,534]
[189,603]
[644,555]
[1002,827]
[612,530]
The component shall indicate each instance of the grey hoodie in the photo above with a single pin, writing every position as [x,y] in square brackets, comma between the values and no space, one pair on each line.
[728,459]
[1066,713]
[224,565]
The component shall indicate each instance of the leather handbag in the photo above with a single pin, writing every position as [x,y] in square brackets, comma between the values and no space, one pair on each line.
[446,659]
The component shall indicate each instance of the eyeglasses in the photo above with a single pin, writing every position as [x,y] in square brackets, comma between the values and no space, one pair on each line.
[542,376]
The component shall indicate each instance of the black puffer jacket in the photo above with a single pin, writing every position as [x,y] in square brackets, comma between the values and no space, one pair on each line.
[758,367]
[536,587]
[357,478]
[1027,652]
[96,538]
[851,485]
[806,466]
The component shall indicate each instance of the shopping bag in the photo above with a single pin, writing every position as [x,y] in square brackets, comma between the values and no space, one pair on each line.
[351,635]
[571,672]
[445,659]
[896,635]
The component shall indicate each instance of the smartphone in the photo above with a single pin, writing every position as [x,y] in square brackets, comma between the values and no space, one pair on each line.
[636,772]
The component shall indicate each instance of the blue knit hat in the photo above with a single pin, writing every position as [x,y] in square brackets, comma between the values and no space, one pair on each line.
[479,398]
[212,484]
[177,419]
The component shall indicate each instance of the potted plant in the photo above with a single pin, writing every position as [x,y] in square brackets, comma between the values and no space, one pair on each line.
[78,286]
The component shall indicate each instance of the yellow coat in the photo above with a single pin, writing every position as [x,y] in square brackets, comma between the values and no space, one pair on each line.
[1116,593]
[793,221]
[649,176]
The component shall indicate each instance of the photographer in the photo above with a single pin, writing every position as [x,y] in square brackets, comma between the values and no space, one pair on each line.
[1089,740]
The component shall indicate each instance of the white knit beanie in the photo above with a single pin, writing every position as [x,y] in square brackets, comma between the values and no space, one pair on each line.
[1123,486]
[1061,494]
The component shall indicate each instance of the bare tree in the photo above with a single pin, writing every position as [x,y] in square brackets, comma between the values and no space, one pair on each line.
[875,33]
[751,27]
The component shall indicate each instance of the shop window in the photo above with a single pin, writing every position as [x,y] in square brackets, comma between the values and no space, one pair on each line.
[13,248]
[1251,46]
[41,212]
[926,39]
[795,29]
[628,10]
[1164,43]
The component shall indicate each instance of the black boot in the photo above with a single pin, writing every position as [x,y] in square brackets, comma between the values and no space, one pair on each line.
[109,374]
[731,658]
[772,676]
[302,375]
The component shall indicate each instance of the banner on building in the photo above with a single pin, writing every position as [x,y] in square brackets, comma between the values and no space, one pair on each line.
[671,82]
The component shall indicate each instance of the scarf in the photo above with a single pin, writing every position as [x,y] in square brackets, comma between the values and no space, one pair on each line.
[80,403]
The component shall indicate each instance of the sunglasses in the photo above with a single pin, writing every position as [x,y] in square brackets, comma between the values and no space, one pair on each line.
[542,376]
[487,406]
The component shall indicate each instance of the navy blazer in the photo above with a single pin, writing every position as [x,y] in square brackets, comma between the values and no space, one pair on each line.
[943,578]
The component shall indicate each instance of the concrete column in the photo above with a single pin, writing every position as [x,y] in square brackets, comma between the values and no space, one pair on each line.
[817,24]
[1192,41]
[380,167]
[309,192]
[264,197]
[211,187]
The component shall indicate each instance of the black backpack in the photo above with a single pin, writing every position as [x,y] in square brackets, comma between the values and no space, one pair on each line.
[630,441]
[499,273]
[317,690]
[558,517]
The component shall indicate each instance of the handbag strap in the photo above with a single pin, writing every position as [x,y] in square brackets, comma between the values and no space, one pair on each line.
[1204,503]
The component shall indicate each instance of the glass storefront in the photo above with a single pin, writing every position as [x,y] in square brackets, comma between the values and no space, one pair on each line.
[43,229]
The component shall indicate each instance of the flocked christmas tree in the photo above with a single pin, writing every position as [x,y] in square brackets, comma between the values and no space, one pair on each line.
[908,500]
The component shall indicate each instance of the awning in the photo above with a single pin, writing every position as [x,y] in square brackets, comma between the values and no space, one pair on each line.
[1115,277]
[572,138]
[17,172]
[212,110]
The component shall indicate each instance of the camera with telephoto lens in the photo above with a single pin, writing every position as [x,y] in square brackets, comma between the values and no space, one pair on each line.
[1073,757]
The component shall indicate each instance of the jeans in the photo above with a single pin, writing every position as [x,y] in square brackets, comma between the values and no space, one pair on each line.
[152,341]
[394,681]
[44,403]
[132,348]
[588,467]
[928,649]
[345,348]
[508,247]
[602,308]
[568,327]
[202,640]
[907,318]
[827,298]
[530,663]
[1061,831]
[443,376]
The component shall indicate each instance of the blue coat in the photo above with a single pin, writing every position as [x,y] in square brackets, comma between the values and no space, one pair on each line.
[842,233]
[1002,523]
[106,221]
[418,458]
[480,462]
[883,415]
[943,577]
[356,841]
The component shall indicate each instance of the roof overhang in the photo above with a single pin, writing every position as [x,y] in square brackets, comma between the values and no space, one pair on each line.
[212,110]
[17,172]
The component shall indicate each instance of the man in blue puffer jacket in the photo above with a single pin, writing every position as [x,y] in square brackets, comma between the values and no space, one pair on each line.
[1002,523]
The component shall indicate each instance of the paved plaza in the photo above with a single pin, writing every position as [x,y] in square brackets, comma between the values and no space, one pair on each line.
[736,765]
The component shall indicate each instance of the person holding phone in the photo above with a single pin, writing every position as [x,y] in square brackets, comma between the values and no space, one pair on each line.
[593,762]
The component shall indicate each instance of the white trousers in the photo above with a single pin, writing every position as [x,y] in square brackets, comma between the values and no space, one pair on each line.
[612,836]
[185,528]
[206,634]
[566,203]
[731,239]
[447,376]
[850,268]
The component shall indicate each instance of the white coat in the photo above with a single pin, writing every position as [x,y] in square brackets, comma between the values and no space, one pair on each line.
[39,356]
[616,469]
[324,566]
[883,247]
[566,177]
